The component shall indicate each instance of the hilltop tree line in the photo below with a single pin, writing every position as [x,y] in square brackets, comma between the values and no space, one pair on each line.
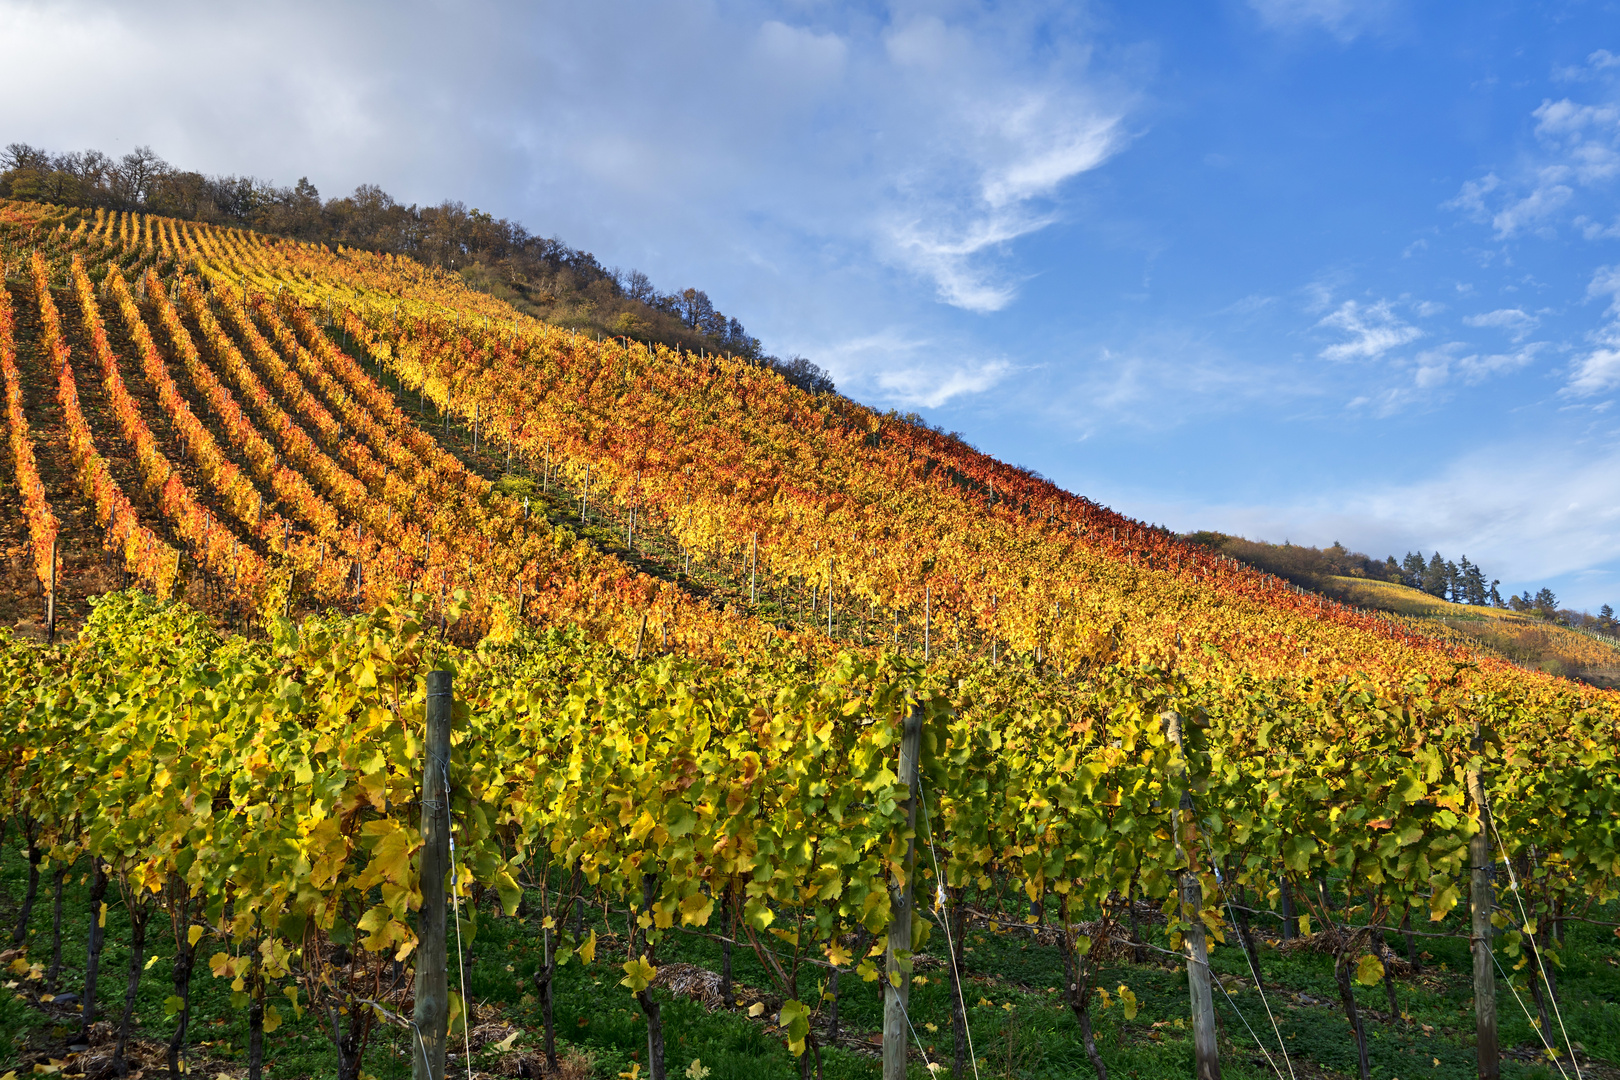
[1461,582]
[541,276]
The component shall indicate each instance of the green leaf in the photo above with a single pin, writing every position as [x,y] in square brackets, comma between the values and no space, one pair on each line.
[795,1019]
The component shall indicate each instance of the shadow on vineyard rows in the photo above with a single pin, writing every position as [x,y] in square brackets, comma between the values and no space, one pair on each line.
[1019,1026]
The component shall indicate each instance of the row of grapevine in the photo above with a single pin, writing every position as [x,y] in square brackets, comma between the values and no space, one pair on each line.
[687,789]
[145,555]
[43,527]
[687,794]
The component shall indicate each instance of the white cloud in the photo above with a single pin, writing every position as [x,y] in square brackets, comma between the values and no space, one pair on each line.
[1527,512]
[931,387]
[1515,321]
[910,371]
[1596,230]
[1374,330]
[1543,201]
[1598,369]
[1577,152]
[1344,19]
[818,170]
[990,146]
[1478,368]
[1160,381]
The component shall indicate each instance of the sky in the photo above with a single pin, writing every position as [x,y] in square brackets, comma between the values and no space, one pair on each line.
[1306,270]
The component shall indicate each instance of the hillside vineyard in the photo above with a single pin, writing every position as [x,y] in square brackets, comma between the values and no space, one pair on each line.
[689,609]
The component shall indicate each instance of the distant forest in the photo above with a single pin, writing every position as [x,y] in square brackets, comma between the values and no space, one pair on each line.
[1461,582]
[539,276]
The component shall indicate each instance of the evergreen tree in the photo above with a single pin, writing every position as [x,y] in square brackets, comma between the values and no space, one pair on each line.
[1606,617]
[1412,569]
[1546,604]
[1496,596]
[1434,576]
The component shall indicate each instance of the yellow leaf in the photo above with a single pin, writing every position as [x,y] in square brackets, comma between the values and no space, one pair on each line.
[506,1044]
[638,974]
[1128,1000]
[152,960]
[837,955]
[272,1018]
[756,1008]
[1369,970]
[101,920]
[644,825]
[587,951]
[193,935]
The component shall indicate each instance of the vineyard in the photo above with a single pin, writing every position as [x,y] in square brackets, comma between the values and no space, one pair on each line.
[735,668]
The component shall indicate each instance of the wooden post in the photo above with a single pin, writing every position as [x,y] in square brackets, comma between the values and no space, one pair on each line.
[432,989]
[753,569]
[50,602]
[1479,895]
[897,985]
[1206,1056]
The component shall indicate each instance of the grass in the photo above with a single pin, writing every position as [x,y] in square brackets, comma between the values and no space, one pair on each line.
[1019,1025]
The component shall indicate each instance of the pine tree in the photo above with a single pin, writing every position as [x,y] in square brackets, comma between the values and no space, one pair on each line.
[1434,576]
[1412,569]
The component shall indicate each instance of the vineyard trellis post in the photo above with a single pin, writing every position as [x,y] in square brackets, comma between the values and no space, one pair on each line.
[1206,1055]
[430,1020]
[1481,864]
[897,961]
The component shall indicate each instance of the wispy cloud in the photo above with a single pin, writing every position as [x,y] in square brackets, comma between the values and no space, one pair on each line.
[1577,150]
[910,371]
[1344,19]
[1373,329]
[1001,143]
[930,387]
[1526,512]
[1598,369]
[1515,321]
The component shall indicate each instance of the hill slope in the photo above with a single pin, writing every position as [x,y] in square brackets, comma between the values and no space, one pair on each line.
[346,423]
[692,614]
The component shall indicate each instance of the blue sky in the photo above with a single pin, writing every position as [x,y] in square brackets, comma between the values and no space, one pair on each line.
[1302,269]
